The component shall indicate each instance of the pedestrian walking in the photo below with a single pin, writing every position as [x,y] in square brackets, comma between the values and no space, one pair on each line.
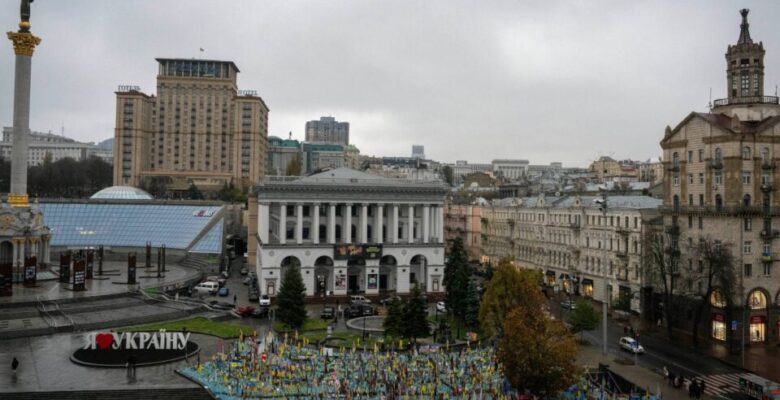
[659,323]
[692,388]
[14,366]
[702,386]
[235,299]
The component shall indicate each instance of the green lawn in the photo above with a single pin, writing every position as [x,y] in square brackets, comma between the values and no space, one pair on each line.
[198,325]
[311,324]
[344,339]
[152,290]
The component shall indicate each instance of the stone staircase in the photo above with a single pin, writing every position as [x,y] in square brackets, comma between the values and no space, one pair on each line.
[127,394]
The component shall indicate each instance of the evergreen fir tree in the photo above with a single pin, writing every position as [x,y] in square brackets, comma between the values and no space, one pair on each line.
[455,268]
[394,321]
[291,309]
[415,322]
[471,317]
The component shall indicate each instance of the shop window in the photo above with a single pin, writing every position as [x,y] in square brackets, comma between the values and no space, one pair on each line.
[718,327]
[717,299]
[757,300]
[757,328]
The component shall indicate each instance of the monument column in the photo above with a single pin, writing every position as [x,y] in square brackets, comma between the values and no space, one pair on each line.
[24,44]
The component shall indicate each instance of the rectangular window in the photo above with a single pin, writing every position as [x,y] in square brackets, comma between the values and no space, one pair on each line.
[701,155]
[701,199]
[690,179]
[745,178]
[690,156]
[701,223]
[746,247]
[748,224]
[767,269]
[718,178]
[701,178]
[765,179]
[767,248]
[690,221]
[676,179]
[690,199]
[748,269]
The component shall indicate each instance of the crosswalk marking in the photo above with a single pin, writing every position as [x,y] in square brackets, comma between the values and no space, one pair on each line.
[720,384]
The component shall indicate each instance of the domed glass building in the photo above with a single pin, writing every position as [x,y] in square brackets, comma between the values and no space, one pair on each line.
[122,193]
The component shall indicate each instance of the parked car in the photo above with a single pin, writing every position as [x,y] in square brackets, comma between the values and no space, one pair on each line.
[357,299]
[630,344]
[328,312]
[369,311]
[247,280]
[358,310]
[220,305]
[265,300]
[206,288]
[244,270]
[441,307]
[223,292]
[245,311]
[386,302]
[568,304]
[260,312]
[254,295]
[216,278]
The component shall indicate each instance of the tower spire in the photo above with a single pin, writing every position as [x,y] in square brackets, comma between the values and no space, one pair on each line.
[744,32]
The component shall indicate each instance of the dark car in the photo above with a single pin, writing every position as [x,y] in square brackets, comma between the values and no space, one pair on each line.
[369,311]
[260,312]
[254,294]
[568,305]
[359,310]
[328,313]
[220,305]
[386,302]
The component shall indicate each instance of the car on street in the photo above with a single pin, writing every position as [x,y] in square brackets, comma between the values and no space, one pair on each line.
[245,311]
[216,278]
[265,300]
[260,312]
[253,294]
[220,305]
[223,292]
[630,344]
[328,312]
[386,302]
[206,288]
[441,307]
[359,310]
[244,270]
[357,299]
[568,305]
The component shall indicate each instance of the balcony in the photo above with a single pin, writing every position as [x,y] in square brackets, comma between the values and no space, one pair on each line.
[745,100]
[622,231]
[622,274]
[769,234]
[575,226]
[674,168]
[767,165]
[766,188]
[770,257]
[716,163]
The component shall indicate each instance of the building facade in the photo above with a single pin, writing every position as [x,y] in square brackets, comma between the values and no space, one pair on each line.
[720,185]
[41,145]
[317,156]
[463,221]
[510,169]
[350,232]
[573,243]
[282,152]
[327,130]
[199,127]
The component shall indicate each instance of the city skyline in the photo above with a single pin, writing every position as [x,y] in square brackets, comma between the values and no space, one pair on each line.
[496,80]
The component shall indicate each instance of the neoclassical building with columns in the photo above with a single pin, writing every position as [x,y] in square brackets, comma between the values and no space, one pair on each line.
[350,232]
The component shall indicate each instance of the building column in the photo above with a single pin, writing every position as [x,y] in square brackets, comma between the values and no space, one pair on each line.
[426,220]
[379,221]
[440,225]
[411,223]
[299,223]
[332,223]
[262,222]
[434,224]
[346,231]
[394,224]
[283,223]
[364,223]
[314,229]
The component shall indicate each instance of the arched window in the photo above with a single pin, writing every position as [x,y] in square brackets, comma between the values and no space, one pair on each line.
[676,202]
[717,299]
[718,155]
[757,300]
[746,200]
[746,153]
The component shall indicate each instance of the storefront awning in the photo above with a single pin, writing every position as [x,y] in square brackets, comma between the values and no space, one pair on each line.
[586,281]
[551,273]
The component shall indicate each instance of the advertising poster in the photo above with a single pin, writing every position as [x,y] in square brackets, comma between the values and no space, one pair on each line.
[65,267]
[6,279]
[90,263]
[341,282]
[131,269]
[30,270]
[358,251]
[372,281]
[79,274]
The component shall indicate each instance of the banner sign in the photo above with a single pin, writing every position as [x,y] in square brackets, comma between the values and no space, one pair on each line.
[341,282]
[90,263]
[757,319]
[372,281]
[357,251]
[30,264]
[6,279]
[161,340]
[131,269]
[79,274]
[116,349]
[65,267]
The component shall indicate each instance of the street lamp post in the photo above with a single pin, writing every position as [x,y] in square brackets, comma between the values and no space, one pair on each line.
[602,202]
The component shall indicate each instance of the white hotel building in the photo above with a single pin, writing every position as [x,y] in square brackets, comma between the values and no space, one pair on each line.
[396,225]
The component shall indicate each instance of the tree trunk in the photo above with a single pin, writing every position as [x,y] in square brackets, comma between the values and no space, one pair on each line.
[669,314]
[696,321]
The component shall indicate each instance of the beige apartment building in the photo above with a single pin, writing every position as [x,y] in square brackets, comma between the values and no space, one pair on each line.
[569,238]
[463,221]
[199,127]
[721,185]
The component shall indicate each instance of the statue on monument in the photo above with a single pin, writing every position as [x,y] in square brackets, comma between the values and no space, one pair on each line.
[24,14]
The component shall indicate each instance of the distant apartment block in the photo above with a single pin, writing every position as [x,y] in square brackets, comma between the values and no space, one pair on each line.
[43,144]
[327,130]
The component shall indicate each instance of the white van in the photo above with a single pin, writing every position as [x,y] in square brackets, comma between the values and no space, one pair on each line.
[359,300]
[206,288]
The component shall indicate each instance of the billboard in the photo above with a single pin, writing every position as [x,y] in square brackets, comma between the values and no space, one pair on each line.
[357,251]
[30,264]
[79,273]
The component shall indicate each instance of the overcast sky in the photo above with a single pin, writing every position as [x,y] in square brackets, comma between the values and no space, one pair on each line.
[476,80]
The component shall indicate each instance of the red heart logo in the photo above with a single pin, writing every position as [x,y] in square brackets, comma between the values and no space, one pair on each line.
[104,340]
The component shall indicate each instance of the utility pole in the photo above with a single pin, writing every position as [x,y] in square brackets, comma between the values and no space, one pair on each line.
[604,304]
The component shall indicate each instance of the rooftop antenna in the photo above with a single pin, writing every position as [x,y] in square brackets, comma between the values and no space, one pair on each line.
[709,103]
[775,90]
[290,137]
[62,129]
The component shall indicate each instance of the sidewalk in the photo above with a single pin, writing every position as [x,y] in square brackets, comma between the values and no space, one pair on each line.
[590,356]
[759,359]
